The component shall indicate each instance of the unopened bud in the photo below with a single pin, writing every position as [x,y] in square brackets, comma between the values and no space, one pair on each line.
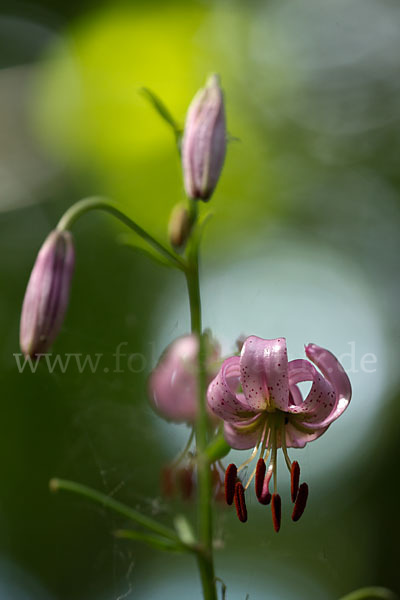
[47,294]
[204,141]
[179,226]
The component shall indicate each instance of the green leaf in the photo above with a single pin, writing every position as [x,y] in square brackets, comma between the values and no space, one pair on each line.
[56,485]
[162,110]
[155,541]
[125,239]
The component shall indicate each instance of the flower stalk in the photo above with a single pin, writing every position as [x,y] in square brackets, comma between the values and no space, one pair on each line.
[204,514]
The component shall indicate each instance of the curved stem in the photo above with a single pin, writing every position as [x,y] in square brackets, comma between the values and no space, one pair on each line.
[371,593]
[98,203]
[205,555]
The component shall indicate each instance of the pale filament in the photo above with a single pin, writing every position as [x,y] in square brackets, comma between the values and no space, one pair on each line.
[262,440]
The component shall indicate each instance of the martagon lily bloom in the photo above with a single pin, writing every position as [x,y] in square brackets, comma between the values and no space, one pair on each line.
[258,397]
[173,393]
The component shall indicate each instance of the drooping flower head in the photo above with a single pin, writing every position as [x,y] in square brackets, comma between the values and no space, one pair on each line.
[173,393]
[173,383]
[257,396]
[204,141]
[47,294]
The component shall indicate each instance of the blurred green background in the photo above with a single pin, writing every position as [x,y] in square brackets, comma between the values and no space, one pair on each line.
[304,242]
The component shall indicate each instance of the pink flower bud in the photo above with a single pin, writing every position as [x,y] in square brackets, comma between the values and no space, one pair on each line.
[47,293]
[204,141]
[173,383]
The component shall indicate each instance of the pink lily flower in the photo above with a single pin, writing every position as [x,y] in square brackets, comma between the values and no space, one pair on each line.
[257,396]
[173,383]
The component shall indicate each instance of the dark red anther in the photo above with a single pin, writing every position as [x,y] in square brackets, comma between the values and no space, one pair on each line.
[186,482]
[294,479]
[301,502]
[230,482]
[217,485]
[260,476]
[167,481]
[276,509]
[240,502]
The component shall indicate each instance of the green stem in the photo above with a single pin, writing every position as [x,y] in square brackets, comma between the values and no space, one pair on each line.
[371,593]
[115,505]
[205,553]
[98,203]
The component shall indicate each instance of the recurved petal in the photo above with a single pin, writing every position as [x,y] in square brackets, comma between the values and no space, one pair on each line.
[264,373]
[301,370]
[335,374]
[222,396]
[295,396]
[244,435]
[321,398]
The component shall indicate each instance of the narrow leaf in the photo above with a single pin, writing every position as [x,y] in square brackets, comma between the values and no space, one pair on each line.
[56,485]
[162,110]
[158,542]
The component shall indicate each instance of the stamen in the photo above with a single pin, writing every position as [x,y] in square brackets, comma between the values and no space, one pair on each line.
[230,481]
[260,476]
[248,460]
[276,511]
[186,482]
[301,502]
[294,479]
[273,463]
[167,481]
[240,502]
[284,447]
[261,440]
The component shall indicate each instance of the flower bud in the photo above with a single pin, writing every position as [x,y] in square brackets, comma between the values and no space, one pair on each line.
[173,383]
[204,141]
[179,226]
[47,293]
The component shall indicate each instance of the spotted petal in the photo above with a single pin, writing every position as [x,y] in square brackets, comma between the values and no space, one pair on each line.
[264,374]
[334,373]
[330,392]
[222,396]
[321,397]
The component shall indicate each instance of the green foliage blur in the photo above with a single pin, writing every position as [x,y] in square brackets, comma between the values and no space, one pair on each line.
[303,242]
